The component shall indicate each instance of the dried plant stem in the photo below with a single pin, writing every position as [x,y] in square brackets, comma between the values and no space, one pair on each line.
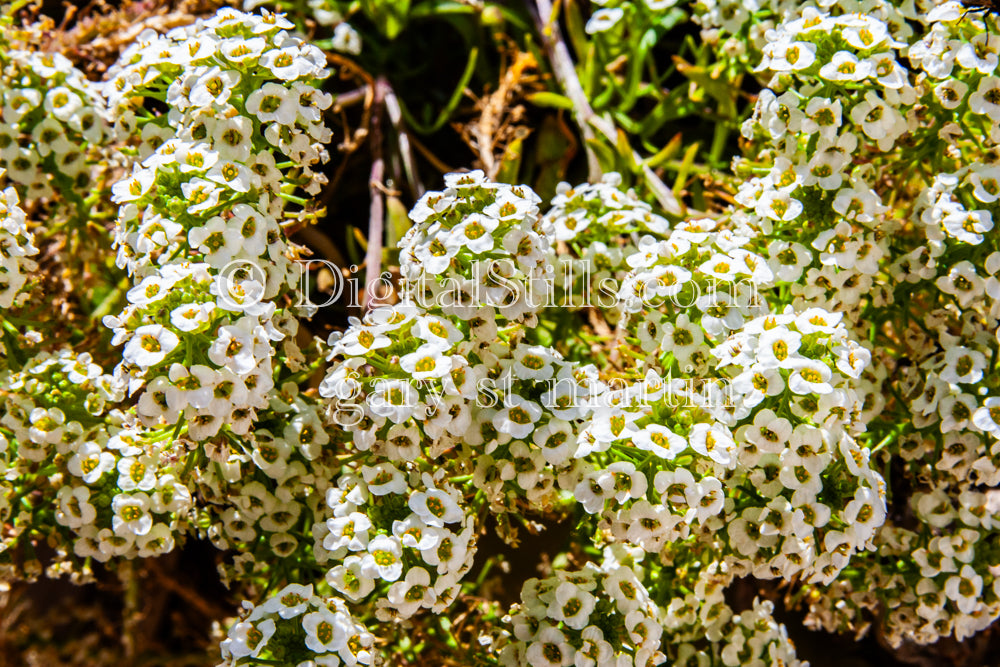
[565,73]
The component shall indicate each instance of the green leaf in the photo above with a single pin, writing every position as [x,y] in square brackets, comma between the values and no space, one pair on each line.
[605,156]
[550,100]
[714,82]
[510,163]
[398,218]
[671,18]
[625,151]
[686,164]
[666,153]
[551,156]
[575,27]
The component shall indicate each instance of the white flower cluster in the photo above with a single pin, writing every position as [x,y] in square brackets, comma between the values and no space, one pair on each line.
[477,251]
[265,489]
[53,131]
[614,15]
[297,627]
[199,218]
[860,101]
[405,533]
[606,616]
[745,420]
[741,26]
[598,223]
[867,103]
[569,618]
[443,401]
[116,491]
[17,246]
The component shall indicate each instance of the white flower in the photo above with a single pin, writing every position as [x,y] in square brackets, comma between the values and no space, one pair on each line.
[595,651]
[326,632]
[572,606]
[518,416]
[131,513]
[383,479]
[158,541]
[979,53]
[90,462]
[384,559]
[149,345]
[133,187]
[845,66]
[426,362]
[18,102]
[248,638]
[788,259]
[594,490]
[986,99]
[240,50]
[290,601]
[964,589]
[396,400]
[414,592]
[218,240]
[62,103]
[789,56]
[75,510]
[239,347]
[963,365]
[437,330]
[961,282]
[711,499]
[231,174]
[715,442]
[349,580]
[532,363]
[346,39]
[824,116]
[985,181]
[810,377]
[987,416]
[864,32]
[778,205]
[878,120]
[359,340]
[287,63]
[273,102]
[682,337]
[951,93]
[191,316]
[550,647]
[968,226]
[755,384]
[778,348]
[660,440]
[435,507]
[604,19]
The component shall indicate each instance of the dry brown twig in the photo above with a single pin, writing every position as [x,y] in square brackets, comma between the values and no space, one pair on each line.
[499,114]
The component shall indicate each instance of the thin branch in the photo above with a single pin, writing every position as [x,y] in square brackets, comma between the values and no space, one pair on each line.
[402,136]
[350,98]
[565,73]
